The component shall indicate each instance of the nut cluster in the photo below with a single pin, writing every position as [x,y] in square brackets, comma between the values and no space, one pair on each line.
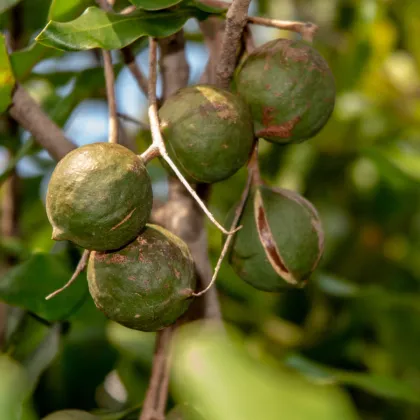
[100,195]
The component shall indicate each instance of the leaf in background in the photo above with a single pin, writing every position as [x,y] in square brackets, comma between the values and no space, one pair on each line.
[27,284]
[33,344]
[379,385]
[399,162]
[24,150]
[154,4]
[7,80]
[208,9]
[14,388]
[98,29]
[412,23]
[24,60]
[65,10]
[7,4]
[217,375]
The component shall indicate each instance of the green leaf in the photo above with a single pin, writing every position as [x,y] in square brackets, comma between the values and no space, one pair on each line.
[27,284]
[154,4]
[24,60]
[65,10]
[208,9]
[7,80]
[33,344]
[14,388]
[24,150]
[379,385]
[214,372]
[7,4]
[98,29]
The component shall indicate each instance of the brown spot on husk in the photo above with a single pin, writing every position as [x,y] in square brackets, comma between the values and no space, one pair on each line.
[282,131]
[224,111]
[110,258]
[268,115]
[123,220]
[132,278]
[177,273]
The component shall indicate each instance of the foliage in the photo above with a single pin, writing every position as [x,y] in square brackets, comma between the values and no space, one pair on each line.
[348,340]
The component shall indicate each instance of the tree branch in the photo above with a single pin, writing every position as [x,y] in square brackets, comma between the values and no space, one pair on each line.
[130,61]
[110,93]
[31,117]
[306,29]
[236,19]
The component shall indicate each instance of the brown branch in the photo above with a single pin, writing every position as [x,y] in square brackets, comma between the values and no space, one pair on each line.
[138,75]
[79,268]
[306,29]
[158,384]
[31,117]
[236,19]
[212,29]
[110,93]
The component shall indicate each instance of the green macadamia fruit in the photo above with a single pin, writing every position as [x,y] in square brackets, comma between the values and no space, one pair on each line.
[208,132]
[290,89]
[146,285]
[281,241]
[99,197]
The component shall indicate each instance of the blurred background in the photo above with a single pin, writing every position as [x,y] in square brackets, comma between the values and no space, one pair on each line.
[356,324]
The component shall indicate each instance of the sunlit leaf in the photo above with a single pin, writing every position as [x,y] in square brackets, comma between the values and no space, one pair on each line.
[14,388]
[7,80]
[98,29]
[216,376]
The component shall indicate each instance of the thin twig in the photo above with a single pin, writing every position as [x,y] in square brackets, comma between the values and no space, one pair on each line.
[248,40]
[157,135]
[80,267]
[238,213]
[130,61]
[31,117]
[151,152]
[128,10]
[236,19]
[133,120]
[306,29]
[153,394]
[110,93]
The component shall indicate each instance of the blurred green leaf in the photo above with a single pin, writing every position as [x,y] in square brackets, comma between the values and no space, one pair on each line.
[25,149]
[27,284]
[7,80]
[14,388]
[33,344]
[215,373]
[7,4]
[379,385]
[64,10]
[98,29]
[155,4]
[25,59]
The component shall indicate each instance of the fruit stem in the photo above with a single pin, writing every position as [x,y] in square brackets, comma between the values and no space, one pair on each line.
[157,135]
[80,267]
[238,212]
[151,152]
[253,166]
